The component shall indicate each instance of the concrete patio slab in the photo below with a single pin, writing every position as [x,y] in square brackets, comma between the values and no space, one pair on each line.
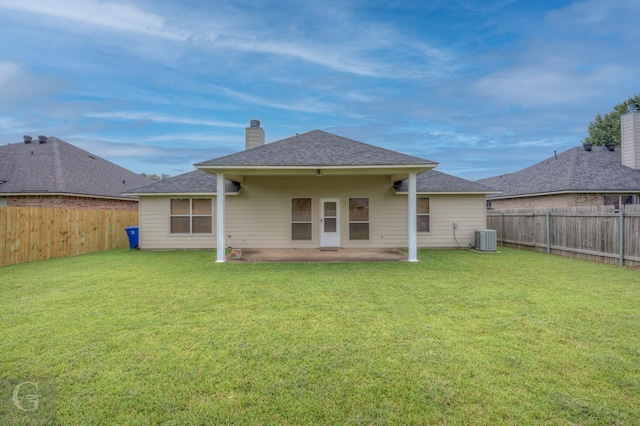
[319,255]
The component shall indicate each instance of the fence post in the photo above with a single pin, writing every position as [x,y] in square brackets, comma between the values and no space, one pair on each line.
[621,235]
[501,230]
[548,232]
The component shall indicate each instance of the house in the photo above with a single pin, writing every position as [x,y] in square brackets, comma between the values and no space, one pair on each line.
[49,172]
[311,190]
[580,176]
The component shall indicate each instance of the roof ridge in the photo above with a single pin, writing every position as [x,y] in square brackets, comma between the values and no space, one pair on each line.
[570,178]
[57,166]
[316,148]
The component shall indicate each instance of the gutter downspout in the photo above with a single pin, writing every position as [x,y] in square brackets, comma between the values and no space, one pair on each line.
[220,202]
[412,231]
[621,262]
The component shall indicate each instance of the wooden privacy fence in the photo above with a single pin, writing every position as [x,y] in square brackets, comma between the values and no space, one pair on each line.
[593,233]
[33,233]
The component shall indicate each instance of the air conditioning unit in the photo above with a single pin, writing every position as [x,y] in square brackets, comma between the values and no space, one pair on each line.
[486,240]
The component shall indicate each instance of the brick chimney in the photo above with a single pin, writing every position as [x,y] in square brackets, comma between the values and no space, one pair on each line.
[254,135]
[630,132]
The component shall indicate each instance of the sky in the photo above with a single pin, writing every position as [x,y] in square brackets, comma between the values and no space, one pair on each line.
[483,87]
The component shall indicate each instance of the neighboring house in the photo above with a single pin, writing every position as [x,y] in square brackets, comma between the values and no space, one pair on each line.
[311,190]
[49,172]
[580,176]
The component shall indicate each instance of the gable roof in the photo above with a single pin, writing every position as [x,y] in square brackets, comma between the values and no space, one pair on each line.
[316,149]
[442,183]
[573,171]
[195,182]
[58,167]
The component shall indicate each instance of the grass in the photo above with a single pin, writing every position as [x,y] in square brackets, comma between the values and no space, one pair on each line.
[129,337]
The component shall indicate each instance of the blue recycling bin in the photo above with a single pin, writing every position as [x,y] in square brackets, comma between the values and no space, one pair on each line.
[132,232]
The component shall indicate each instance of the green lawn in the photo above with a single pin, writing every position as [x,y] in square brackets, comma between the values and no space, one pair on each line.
[130,337]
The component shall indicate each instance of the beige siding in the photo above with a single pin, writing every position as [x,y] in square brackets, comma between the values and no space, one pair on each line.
[468,211]
[260,216]
[154,227]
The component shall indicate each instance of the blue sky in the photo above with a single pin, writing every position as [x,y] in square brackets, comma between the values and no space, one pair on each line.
[481,87]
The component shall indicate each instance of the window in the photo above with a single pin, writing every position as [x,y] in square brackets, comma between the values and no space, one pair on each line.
[358,218]
[422,215]
[191,216]
[618,200]
[301,219]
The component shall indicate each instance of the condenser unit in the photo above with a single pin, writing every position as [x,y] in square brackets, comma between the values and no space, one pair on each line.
[486,240]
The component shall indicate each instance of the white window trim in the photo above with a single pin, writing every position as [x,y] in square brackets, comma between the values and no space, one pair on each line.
[424,214]
[349,221]
[291,222]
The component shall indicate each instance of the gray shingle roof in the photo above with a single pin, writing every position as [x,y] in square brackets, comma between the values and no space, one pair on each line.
[574,170]
[434,182]
[316,149]
[195,182]
[59,167]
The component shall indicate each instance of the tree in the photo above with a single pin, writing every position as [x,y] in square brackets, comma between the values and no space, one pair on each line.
[606,128]
[155,176]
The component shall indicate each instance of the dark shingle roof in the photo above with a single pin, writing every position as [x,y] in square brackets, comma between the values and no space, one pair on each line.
[434,182]
[59,167]
[316,149]
[195,182]
[575,170]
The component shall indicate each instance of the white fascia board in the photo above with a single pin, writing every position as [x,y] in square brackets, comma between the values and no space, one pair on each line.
[180,194]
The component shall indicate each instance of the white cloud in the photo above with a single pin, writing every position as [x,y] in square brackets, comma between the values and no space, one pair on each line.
[307,105]
[9,71]
[10,125]
[346,44]
[19,86]
[159,118]
[110,15]
[195,137]
[598,17]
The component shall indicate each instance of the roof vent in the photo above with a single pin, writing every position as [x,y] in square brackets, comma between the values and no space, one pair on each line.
[587,146]
[254,123]
[27,139]
[610,146]
[632,107]
[42,139]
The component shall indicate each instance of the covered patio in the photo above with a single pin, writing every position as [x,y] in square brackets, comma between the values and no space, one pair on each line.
[329,255]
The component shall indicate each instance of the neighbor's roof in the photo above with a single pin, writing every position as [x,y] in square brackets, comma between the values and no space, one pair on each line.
[57,167]
[573,171]
[316,149]
[195,182]
[438,182]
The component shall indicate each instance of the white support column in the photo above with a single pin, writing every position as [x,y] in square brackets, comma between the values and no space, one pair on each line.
[412,231]
[220,233]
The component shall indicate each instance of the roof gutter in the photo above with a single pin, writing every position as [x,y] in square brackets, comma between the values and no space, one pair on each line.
[179,194]
[66,194]
[449,193]
[397,172]
[583,191]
